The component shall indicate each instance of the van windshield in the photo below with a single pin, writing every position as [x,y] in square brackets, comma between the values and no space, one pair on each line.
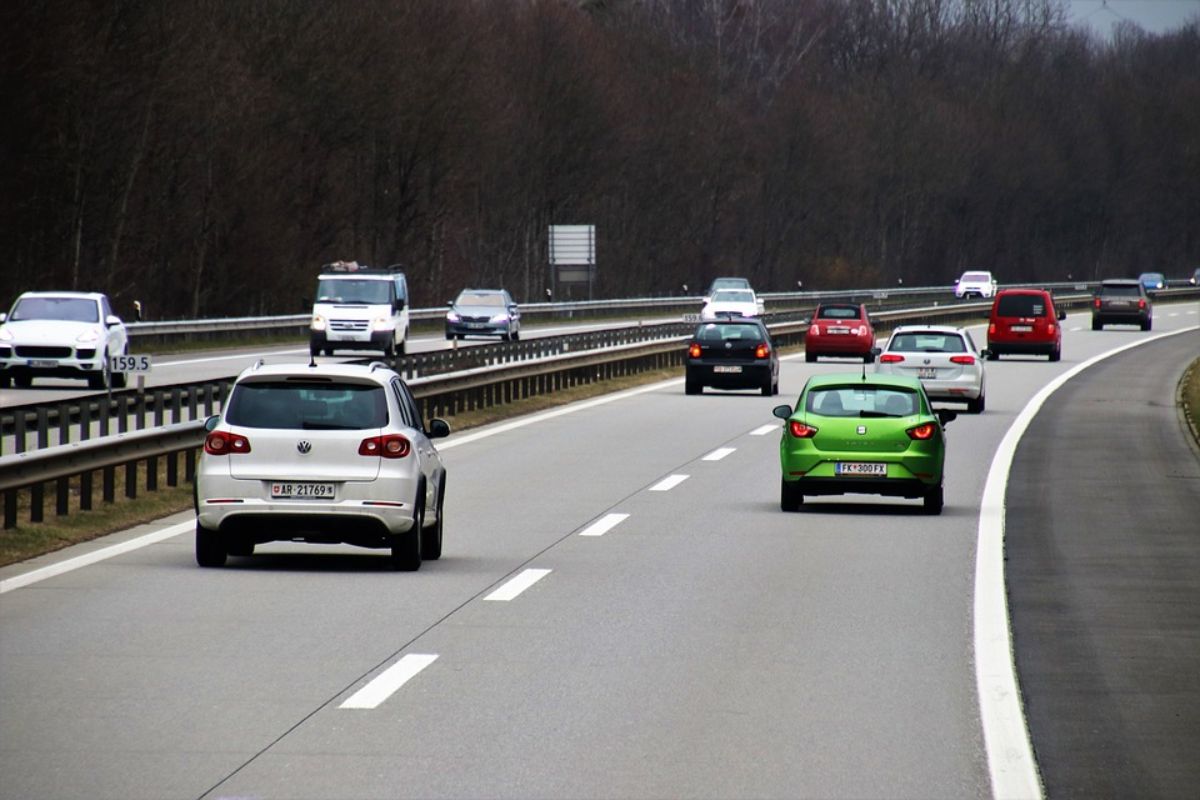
[354,290]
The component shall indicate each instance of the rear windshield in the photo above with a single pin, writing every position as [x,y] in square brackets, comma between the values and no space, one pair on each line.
[717,332]
[976,277]
[355,290]
[307,406]
[862,401]
[928,343]
[838,312]
[66,309]
[1121,290]
[1021,305]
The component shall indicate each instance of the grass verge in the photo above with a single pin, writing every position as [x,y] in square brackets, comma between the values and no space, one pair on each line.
[1189,398]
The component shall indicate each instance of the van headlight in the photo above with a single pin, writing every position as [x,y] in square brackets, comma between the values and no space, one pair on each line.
[318,322]
[381,324]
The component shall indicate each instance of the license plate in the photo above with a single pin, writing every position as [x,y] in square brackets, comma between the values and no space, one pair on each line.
[861,468]
[1022,328]
[42,364]
[1119,303]
[727,369]
[927,372]
[312,491]
[839,330]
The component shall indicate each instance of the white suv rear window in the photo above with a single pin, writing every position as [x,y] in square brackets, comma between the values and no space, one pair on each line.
[307,406]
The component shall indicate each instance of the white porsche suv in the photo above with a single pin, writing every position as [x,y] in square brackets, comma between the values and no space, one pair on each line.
[330,453]
[61,335]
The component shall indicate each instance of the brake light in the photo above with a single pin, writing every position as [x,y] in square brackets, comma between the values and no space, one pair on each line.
[1141,305]
[800,430]
[962,359]
[922,432]
[992,329]
[1096,302]
[393,445]
[1050,326]
[694,350]
[762,351]
[891,358]
[223,443]
[815,329]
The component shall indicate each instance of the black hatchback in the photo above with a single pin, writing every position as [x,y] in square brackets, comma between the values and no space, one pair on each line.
[1122,302]
[732,353]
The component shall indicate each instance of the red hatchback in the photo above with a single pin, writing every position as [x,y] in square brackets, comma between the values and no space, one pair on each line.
[840,329]
[1025,322]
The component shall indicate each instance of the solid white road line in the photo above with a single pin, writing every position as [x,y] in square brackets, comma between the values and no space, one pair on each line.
[668,483]
[518,584]
[387,682]
[765,429]
[91,558]
[604,525]
[1011,764]
[718,454]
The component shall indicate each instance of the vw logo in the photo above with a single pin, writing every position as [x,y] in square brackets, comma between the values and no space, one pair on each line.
[303,446]
[862,430]
[729,345]
[927,362]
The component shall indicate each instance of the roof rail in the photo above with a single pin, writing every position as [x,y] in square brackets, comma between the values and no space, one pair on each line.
[374,365]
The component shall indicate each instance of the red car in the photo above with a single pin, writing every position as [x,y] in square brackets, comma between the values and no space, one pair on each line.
[840,329]
[1025,322]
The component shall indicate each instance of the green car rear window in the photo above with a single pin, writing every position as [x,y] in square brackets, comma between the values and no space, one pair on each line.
[300,406]
[862,401]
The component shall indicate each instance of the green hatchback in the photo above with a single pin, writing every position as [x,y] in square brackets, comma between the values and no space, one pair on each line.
[867,434]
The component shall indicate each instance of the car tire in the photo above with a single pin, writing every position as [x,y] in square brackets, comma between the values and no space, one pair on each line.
[1056,354]
[809,357]
[790,496]
[431,543]
[104,379]
[516,337]
[934,499]
[403,348]
[993,355]
[1097,325]
[977,405]
[389,349]
[869,358]
[768,387]
[314,351]
[210,547]
[406,548]
[691,386]
[1147,324]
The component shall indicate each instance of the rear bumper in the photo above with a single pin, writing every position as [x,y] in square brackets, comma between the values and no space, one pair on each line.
[887,487]
[1120,317]
[753,375]
[1023,347]
[838,346]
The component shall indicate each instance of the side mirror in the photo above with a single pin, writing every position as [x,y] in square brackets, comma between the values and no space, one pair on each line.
[875,351]
[985,353]
[946,416]
[512,307]
[211,423]
[438,428]
[111,320]
[783,412]
[3,316]
[400,304]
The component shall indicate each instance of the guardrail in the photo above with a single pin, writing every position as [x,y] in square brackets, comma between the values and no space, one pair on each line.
[70,466]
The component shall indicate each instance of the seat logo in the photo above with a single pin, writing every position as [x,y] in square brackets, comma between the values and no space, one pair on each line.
[862,430]
[303,446]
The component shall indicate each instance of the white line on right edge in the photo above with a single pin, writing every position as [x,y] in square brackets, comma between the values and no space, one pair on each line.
[1013,770]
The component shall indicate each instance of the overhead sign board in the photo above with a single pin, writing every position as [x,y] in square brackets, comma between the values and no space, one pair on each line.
[572,244]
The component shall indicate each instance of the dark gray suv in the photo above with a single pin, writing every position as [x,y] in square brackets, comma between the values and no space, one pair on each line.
[1122,302]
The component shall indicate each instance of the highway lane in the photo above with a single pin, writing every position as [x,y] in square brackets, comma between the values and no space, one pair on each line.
[706,645]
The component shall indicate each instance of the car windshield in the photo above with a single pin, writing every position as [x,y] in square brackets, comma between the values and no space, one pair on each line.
[307,406]
[729,283]
[862,401]
[1021,305]
[66,309]
[928,342]
[1152,277]
[838,312]
[719,332]
[733,296]
[976,277]
[354,290]
[490,299]
[1120,289]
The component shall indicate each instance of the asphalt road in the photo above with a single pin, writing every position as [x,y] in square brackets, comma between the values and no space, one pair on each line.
[705,645]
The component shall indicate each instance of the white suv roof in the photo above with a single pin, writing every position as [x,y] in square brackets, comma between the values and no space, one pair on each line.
[377,371]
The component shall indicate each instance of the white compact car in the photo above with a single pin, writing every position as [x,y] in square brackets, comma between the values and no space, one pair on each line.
[975,283]
[330,453]
[944,358]
[731,302]
[61,335]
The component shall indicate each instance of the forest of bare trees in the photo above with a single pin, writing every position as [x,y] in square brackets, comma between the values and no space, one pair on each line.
[206,157]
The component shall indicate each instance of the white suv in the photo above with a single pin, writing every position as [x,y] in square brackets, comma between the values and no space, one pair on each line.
[62,335]
[975,283]
[360,308]
[326,453]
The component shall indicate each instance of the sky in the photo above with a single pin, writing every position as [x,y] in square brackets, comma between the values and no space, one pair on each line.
[1155,16]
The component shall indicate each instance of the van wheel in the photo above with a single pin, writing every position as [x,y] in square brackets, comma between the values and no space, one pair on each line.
[210,548]
[1147,324]
[403,348]
[389,349]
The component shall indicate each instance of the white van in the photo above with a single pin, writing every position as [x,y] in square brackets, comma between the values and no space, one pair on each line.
[360,308]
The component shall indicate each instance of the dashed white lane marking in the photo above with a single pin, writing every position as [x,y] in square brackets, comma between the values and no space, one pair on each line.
[517,585]
[765,429]
[603,525]
[389,681]
[1074,330]
[668,483]
[718,454]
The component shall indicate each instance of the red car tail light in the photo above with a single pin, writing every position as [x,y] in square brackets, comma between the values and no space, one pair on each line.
[1096,302]
[694,350]
[962,360]
[891,358]
[800,430]
[922,432]
[393,445]
[815,329]
[992,329]
[762,351]
[223,443]
[1141,305]
[1050,326]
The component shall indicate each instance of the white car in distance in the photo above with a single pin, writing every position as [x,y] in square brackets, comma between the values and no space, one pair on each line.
[975,283]
[731,302]
[61,335]
[945,360]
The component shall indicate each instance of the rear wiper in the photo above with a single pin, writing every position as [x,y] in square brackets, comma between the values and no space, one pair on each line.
[874,414]
[325,426]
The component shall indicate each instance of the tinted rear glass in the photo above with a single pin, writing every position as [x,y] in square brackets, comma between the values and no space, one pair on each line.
[1021,305]
[307,406]
[862,401]
[838,312]
[66,309]
[718,332]
[928,343]
[1120,291]
[976,276]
